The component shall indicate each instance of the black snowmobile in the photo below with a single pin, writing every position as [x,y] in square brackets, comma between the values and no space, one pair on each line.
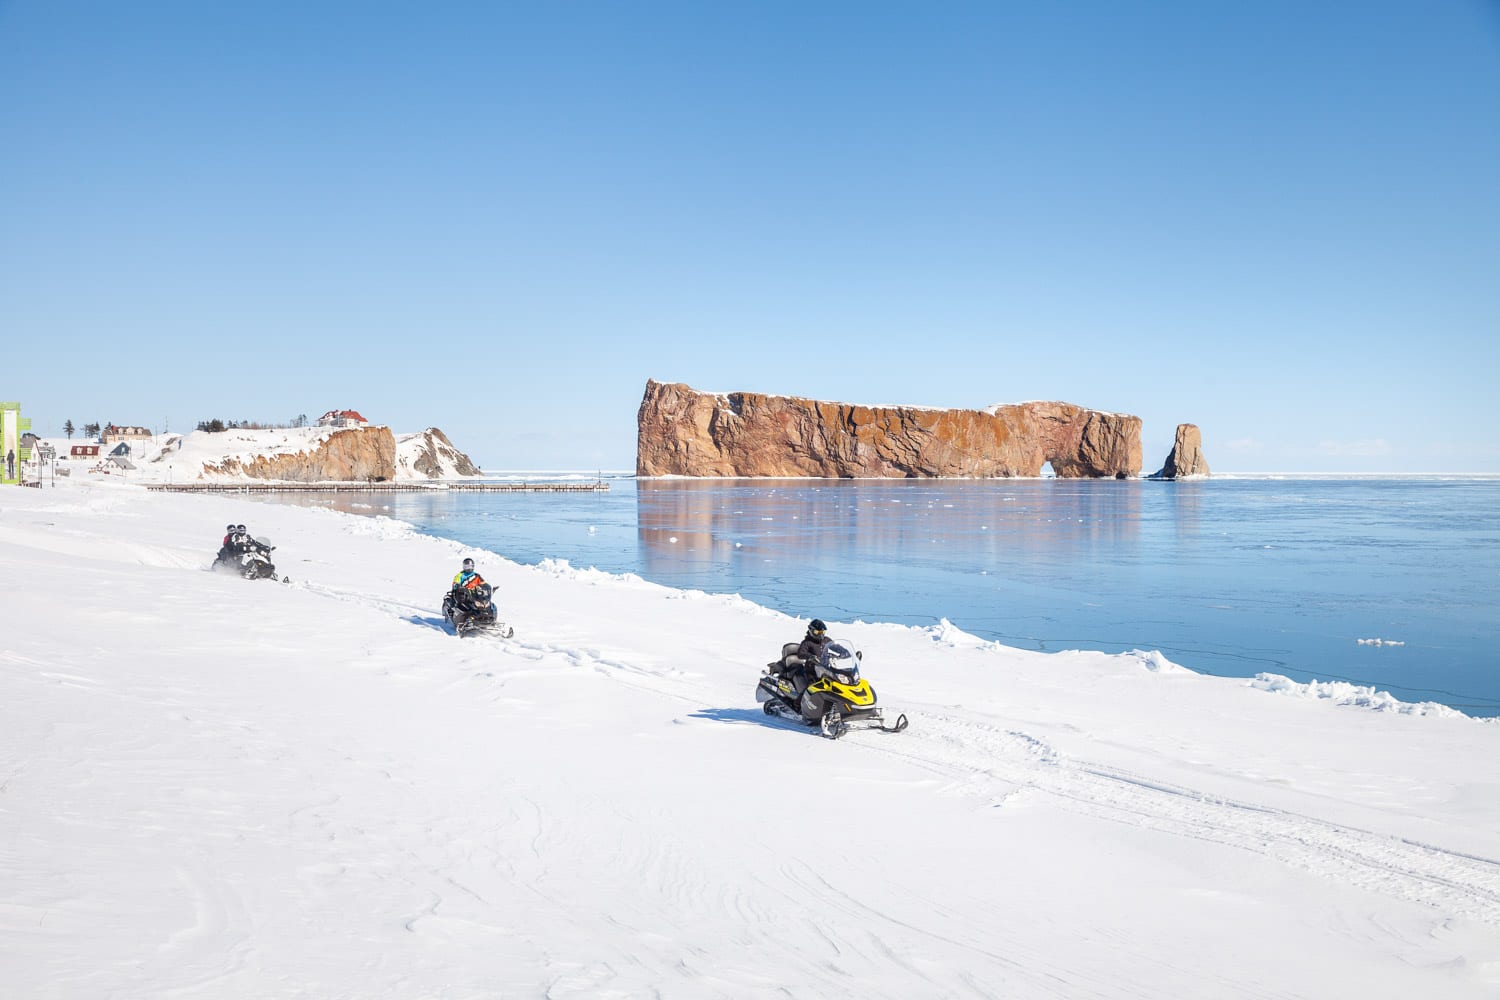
[474,611]
[835,700]
[250,559]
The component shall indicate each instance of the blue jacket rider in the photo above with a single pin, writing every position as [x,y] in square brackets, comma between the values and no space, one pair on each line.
[466,579]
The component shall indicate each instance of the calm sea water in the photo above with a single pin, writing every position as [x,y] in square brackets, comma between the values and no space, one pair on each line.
[1225,576]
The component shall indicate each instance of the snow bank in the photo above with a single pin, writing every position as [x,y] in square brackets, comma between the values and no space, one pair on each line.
[1344,693]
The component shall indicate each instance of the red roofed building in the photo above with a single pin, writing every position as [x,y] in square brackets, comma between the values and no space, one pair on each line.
[342,418]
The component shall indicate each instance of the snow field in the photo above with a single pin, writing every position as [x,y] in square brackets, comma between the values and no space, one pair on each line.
[217,788]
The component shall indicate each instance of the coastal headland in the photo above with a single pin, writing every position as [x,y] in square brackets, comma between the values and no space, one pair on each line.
[261,456]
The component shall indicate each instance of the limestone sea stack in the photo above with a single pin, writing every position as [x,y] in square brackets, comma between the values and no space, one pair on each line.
[1186,457]
[684,432]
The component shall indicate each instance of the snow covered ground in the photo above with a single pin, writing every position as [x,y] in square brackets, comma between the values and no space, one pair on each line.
[217,788]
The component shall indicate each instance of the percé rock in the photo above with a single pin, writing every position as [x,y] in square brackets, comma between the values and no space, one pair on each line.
[1186,458]
[361,454]
[683,432]
[430,455]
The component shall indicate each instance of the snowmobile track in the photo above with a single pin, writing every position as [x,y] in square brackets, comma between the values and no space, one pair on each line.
[985,759]
[1392,866]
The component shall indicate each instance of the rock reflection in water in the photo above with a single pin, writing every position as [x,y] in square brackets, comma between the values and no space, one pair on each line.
[870,546]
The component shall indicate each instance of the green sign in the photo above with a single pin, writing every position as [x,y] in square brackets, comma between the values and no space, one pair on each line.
[13,457]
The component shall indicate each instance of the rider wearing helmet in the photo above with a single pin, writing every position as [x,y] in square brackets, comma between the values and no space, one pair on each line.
[465,582]
[810,650]
[466,578]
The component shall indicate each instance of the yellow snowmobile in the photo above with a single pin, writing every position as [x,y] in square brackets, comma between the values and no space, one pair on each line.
[828,694]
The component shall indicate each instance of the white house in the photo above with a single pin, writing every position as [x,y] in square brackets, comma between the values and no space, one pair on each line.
[115,432]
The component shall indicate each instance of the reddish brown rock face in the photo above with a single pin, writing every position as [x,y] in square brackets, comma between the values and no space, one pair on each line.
[1186,458]
[360,454]
[683,432]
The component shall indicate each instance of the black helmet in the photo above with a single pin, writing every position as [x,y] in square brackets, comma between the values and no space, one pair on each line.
[468,564]
[817,627]
[239,527]
[229,527]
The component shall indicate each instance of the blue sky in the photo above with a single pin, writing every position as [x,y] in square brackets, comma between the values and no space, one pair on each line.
[1279,221]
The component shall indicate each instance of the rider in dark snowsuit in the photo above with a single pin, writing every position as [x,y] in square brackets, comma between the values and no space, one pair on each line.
[810,651]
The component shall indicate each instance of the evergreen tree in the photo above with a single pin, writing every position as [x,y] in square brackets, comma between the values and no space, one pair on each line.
[68,429]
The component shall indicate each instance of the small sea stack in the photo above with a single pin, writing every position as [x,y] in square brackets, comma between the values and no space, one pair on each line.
[1186,458]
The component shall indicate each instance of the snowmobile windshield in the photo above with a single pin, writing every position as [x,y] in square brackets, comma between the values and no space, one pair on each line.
[262,541]
[834,653]
[840,664]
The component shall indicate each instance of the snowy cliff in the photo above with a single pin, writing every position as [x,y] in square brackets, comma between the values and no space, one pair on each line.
[300,455]
[430,455]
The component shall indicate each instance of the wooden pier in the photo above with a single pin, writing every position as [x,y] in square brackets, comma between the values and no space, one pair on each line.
[386,487]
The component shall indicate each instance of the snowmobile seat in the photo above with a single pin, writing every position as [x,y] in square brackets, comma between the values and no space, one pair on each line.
[789,658]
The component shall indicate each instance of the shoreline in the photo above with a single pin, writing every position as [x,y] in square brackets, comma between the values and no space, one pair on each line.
[1325,686]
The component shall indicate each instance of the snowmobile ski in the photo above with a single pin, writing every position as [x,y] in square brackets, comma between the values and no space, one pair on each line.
[833,725]
[499,630]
